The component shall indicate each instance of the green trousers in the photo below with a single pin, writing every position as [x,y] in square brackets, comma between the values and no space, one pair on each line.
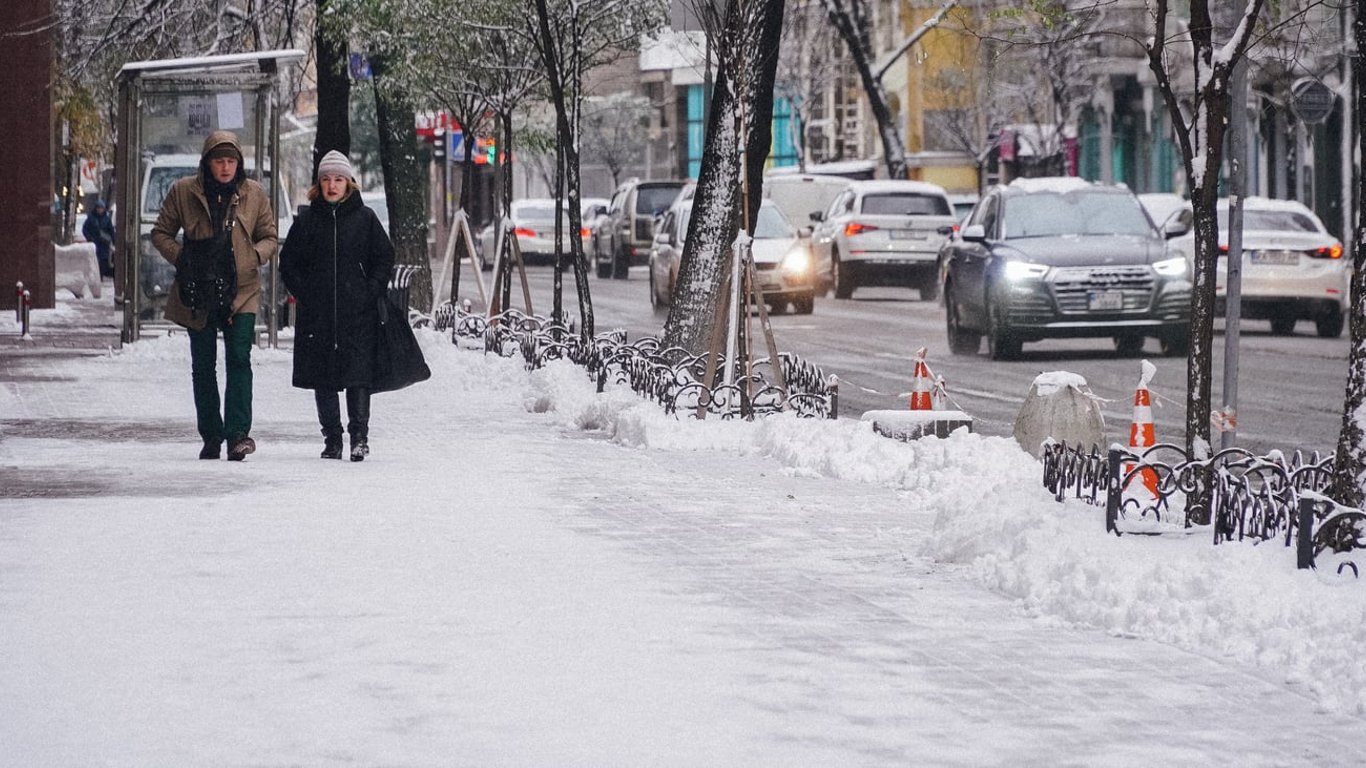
[234,422]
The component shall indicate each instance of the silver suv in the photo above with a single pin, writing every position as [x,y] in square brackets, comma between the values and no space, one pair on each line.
[625,236]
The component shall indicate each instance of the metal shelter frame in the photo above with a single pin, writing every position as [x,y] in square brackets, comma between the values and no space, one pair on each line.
[141,83]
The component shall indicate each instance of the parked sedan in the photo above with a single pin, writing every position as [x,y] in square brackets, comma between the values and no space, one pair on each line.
[883,233]
[782,260]
[533,222]
[1063,257]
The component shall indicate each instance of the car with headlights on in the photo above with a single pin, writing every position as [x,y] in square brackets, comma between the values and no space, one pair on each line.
[883,233]
[782,259]
[1064,258]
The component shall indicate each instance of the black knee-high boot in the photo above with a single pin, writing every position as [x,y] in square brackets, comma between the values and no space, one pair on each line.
[358,422]
[329,416]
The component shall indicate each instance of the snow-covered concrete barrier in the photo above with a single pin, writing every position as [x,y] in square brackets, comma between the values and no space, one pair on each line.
[78,270]
[1059,406]
[913,425]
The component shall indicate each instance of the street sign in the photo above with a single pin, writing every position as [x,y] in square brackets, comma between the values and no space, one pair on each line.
[1312,100]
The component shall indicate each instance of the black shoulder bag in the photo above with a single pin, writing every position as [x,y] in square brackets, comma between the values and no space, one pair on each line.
[207,272]
[398,357]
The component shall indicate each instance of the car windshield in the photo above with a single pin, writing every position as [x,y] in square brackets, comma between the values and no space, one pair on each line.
[1049,214]
[535,213]
[771,225]
[1272,221]
[655,200]
[159,182]
[905,204]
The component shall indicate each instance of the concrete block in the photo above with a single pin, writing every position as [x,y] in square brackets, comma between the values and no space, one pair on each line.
[913,425]
[1059,406]
[78,270]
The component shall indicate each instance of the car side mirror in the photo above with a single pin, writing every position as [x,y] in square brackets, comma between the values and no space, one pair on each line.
[974,233]
[1175,227]
[945,231]
[803,232]
[817,216]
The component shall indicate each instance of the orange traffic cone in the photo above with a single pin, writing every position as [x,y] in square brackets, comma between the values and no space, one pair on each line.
[921,393]
[1141,433]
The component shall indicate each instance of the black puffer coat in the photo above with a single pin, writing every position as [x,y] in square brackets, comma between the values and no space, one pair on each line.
[336,262]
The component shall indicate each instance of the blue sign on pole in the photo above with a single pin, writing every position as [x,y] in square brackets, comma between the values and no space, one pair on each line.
[360,67]
[457,144]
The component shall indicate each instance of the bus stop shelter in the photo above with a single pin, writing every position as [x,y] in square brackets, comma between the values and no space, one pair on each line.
[166,109]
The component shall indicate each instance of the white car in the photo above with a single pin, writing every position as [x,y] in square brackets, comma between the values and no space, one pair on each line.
[1293,267]
[533,223]
[782,260]
[883,233]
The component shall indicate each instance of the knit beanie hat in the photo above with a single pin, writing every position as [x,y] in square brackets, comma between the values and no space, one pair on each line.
[336,164]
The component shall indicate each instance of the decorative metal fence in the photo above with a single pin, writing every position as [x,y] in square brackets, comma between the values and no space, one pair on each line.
[671,377]
[1250,497]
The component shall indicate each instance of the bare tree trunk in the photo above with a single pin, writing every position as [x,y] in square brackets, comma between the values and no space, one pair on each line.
[403,185]
[1349,466]
[716,204]
[852,26]
[565,80]
[334,95]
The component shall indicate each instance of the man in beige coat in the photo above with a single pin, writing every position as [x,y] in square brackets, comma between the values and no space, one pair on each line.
[199,206]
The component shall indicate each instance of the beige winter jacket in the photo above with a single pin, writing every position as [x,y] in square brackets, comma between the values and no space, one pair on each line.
[254,238]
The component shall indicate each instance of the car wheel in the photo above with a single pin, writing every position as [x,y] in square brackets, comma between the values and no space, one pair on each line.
[1001,342]
[1329,326]
[804,305]
[929,291]
[961,340]
[1129,345]
[1176,344]
[657,302]
[1282,326]
[844,282]
[777,307]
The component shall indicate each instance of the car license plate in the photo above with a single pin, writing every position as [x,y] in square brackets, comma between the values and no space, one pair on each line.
[906,234]
[1105,301]
[1276,258]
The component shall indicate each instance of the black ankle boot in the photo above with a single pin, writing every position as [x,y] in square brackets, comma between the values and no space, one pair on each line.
[332,446]
[211,450]
[360,448]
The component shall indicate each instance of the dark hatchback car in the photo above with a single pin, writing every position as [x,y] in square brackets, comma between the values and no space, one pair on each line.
[1064,258]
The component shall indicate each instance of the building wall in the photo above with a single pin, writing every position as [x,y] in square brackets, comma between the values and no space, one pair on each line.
[26,194]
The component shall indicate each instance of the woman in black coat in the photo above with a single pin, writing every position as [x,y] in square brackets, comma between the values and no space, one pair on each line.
[336,262]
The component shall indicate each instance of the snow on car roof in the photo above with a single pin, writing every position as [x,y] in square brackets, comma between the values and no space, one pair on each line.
[896,185]
[1059,184]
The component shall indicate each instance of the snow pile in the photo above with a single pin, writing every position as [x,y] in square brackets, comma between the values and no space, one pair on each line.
[1241,601]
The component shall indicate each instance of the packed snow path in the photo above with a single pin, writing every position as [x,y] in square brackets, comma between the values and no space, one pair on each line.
[501,584]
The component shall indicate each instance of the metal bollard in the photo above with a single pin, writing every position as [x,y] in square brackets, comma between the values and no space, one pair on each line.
[1304,537]
[19,302]
[834,396]
[26,302]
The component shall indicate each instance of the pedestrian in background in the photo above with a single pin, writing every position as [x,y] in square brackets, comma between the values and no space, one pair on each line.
[99,229]
[336,262]
[201,205]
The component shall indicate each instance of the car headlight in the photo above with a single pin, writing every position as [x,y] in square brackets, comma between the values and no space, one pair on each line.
[1171,267]
[1023,270]
[797,261]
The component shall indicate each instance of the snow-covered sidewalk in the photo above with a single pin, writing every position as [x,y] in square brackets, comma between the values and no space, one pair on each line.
[525,572]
